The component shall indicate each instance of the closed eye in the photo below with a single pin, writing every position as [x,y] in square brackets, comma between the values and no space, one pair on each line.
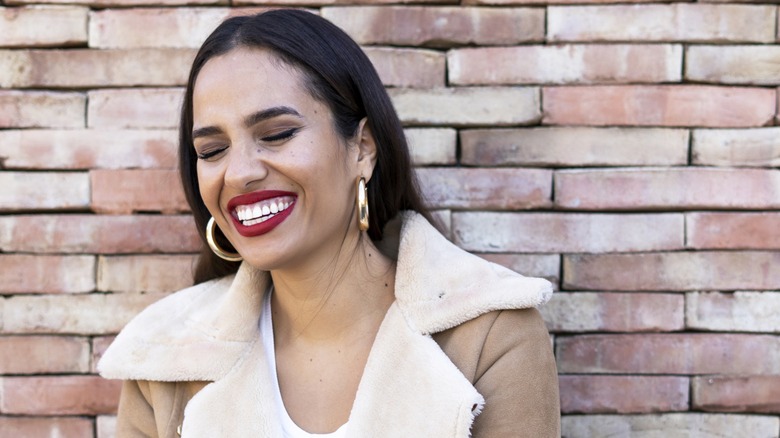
[284,135]
[211,153]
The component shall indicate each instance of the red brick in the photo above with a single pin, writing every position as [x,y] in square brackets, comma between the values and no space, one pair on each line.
[99,346]
[737,394]
[572,146]
[520,232]
[86,148]
[438,26]
[468,106]
[733,230]
[40,26]
[44,191]
[689,353]
[33,354]
[134,108]
[614,312]
[156,27]
[62,395]
[530,265]
[23,273]
[408,67]
[711,270]
[121,3]
[662,105]
[673,22]
[618,394]
[41,109]
[41,427]
[736,147]
[757,65]
[686,188]
[91,314]
[106,426]
[80,68]
[429,146]
[98,234]
[127,191]
[344,2]
[565,64]
[153,273]
[737,312]
[534,2]
[496,189]
[669,425]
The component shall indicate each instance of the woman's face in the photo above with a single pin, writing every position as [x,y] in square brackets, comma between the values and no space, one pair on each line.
[272,170]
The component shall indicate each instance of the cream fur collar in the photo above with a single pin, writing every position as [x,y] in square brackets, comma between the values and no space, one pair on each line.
[210,332]
[199,333]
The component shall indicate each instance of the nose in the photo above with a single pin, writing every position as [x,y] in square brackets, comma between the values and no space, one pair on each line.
[245,165]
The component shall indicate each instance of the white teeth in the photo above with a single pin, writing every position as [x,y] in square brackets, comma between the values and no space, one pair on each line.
[262,211]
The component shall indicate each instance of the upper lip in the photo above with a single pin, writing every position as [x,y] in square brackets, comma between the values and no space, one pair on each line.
[254,197]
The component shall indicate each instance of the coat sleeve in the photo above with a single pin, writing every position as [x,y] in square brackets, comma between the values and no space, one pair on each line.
[135,418]
[517,375]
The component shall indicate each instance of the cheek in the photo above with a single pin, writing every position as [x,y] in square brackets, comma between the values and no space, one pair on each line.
[209,183]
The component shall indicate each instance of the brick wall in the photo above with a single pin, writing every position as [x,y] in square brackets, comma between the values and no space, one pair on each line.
[627,152]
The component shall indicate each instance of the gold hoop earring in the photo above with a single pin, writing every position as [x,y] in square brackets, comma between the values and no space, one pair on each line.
[212,241]
[362,204]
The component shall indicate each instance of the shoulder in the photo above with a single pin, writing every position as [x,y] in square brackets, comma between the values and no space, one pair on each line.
[440,286]
[198,333]
[481,341]
[507,356]
[173,309]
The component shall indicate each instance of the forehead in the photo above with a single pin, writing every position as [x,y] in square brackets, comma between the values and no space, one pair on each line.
[245,80]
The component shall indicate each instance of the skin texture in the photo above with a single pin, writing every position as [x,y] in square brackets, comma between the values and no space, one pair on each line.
[331,285]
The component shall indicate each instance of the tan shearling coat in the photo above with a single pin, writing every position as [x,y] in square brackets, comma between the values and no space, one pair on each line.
[461,352]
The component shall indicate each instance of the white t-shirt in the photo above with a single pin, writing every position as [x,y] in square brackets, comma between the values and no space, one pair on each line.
[290,429]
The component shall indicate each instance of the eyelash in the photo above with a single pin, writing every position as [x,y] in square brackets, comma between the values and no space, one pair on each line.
[207,155]
[284,135]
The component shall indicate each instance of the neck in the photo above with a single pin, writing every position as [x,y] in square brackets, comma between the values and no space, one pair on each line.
[339,299]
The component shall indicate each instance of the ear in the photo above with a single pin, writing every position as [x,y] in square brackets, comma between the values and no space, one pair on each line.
[366,149]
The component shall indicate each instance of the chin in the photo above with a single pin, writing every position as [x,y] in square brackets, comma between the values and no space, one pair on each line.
[267,260]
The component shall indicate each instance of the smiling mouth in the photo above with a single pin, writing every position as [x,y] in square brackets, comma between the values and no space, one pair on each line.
[259,212]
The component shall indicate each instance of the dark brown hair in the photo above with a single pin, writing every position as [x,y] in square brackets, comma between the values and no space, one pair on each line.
[337,73]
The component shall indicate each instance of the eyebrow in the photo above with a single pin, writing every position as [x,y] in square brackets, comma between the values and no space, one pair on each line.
[250,120]
[270,113]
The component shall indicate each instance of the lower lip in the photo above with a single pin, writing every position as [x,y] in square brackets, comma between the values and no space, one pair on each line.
[262,227]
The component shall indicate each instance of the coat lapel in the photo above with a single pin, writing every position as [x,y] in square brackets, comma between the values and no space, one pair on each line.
[242,403]
[410,388]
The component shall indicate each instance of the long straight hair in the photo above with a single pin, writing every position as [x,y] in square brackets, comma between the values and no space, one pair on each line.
[337,73]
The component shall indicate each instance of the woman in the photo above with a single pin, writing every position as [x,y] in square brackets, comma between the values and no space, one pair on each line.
[326,304]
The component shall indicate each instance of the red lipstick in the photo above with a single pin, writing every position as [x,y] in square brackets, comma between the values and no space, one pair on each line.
[260,224]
